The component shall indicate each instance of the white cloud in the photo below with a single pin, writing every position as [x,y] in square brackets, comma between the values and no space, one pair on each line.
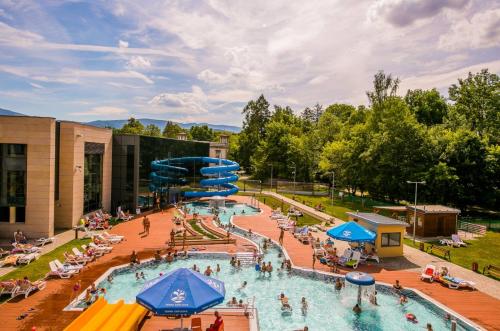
[139,62]
[102,111]
[38,86]
[122,44]
[481,31]
[194,102]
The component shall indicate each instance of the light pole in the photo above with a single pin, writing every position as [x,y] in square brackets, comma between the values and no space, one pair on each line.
[333,185]
[294,176]
[415,211]
[271,177]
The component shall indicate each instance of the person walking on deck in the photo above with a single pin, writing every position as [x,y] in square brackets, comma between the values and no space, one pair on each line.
[282,235]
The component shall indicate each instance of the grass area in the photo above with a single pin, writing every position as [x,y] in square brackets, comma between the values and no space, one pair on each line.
[483,250]
[339,207]
[200,230]
[275,203]
[39,268]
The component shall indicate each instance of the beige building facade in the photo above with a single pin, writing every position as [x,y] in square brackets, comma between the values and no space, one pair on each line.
[51,173]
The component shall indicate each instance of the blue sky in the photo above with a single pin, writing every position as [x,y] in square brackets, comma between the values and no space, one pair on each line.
[203,60]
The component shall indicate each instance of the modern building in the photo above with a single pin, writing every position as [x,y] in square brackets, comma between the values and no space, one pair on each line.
[51,173]
[432,220]
[132,156]
[390,232]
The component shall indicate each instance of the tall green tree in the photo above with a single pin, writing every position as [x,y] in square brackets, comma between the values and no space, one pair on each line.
[172,130]
[256,116]
[133,126]
[202,133]
[152,130]
[429,107]
[384,86]
[477,103]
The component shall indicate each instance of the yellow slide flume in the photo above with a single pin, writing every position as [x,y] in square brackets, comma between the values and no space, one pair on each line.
[104,316]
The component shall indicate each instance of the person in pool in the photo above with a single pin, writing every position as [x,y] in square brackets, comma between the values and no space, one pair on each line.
[157,256]
[397,286]
[142,275]
[429,327]
[208,271]
[217,270]
[373,298]
[232,302]
[284,301]
[356,309]
[243,286]
[304,307]
[403,299]
[269,268]
[338,284]
[195,268]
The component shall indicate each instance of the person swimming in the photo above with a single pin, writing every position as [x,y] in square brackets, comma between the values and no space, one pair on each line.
[243,286]
[304,307]
[356,309]
[284,302]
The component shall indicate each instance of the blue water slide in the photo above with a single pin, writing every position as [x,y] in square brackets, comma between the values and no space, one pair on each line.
[219,172]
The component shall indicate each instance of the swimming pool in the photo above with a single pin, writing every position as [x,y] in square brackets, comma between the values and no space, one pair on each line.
[328,308]
[225,213]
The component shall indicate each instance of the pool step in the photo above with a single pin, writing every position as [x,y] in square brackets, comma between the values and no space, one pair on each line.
[245,258]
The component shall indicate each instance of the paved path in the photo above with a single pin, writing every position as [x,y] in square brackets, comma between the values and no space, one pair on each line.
[475,305]
[49,303]
[61,239]
[414,259]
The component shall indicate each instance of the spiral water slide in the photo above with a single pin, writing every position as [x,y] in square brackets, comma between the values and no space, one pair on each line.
[219,172]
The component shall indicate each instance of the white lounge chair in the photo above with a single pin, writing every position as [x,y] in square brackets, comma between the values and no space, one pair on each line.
[89,234]
[102,248]
[26,287]
[56,272]
[67,266]
[10,260]
[3,252]
[354,261]
[446,242]
[428,273]
[370,256]
[346,256]
[109,240]
[457,242]
[28,258]
[45,241]
[80,255]
[122,216]
[8,287]
[105,234]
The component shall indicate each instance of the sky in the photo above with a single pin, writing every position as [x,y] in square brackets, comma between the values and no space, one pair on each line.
[203,61]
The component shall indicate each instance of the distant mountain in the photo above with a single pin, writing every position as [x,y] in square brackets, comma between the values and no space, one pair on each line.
[117,124]
[5,112]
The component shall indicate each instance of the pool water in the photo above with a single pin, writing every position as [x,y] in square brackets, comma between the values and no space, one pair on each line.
[225,213]
[328,309]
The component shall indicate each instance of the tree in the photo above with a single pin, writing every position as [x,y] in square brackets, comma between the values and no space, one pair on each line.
[133,126]
[172,130]
[429,107]
[202,133]
[384,86]
[312,115]
[256,116]
[152,130]
[477,102]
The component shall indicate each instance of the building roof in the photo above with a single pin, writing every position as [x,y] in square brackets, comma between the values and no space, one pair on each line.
[435,209]
[377,219]
[427,209]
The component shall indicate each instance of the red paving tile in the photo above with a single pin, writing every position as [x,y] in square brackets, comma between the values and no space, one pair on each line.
[48,304]
[476,306]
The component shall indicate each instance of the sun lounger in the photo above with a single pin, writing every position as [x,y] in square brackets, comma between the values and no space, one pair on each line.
[305,239]
[80,255]
[456,283]
[89,234]
[10,260]
[111,240]
[67,266]
[428,273]
[123,216]
[73,259]
[370,256]
[447,242]
[346,256]
[28,258]
[3,252]
[8,287]
[26,287]
[354,261]
[457,242]
[101,248]
[56,272]
[45,241]
[105,234]
[25,248]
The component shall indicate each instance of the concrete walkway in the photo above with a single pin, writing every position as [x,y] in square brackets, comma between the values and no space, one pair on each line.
[61,239]
[414,260]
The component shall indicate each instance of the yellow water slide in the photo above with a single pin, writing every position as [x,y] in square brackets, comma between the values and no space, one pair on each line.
[102,315]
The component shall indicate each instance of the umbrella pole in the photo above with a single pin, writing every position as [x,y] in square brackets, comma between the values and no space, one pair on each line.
[182,326]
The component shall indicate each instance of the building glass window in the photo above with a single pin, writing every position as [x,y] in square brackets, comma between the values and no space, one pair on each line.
[92,179]
[12,181]
[391,239]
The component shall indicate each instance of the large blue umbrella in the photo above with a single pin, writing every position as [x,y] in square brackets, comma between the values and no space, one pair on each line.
[182,292]
[352,232]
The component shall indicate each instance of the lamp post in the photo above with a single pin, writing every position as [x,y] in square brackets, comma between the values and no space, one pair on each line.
[415,210]
[333,185]
[294,176]
[271,177]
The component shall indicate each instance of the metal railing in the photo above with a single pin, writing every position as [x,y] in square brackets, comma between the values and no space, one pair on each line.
[472,227]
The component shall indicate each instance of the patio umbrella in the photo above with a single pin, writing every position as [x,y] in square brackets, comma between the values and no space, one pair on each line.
[352,232]
[182,292]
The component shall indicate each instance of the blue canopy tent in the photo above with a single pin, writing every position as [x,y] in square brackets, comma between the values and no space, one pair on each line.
[181,293]
[351,232]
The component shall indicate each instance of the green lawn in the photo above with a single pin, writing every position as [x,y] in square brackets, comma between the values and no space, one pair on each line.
[484,251]
[39,268]
[200,230]
[339,207]
[275,203]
